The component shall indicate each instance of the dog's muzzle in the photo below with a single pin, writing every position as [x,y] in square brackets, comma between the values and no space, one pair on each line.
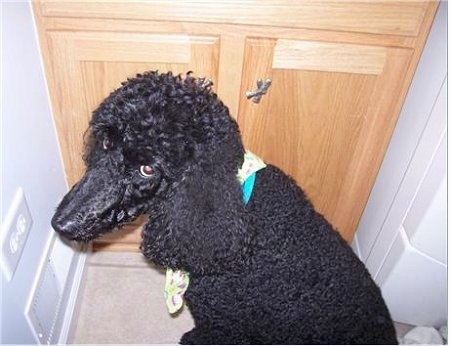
[92,207]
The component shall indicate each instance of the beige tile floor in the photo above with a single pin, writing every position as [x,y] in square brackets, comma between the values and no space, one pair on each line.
[123,303]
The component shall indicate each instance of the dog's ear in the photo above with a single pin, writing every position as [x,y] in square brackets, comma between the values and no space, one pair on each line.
[200,226]
[198,223]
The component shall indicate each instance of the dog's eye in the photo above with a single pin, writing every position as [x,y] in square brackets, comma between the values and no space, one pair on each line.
[146,171]
[107,144]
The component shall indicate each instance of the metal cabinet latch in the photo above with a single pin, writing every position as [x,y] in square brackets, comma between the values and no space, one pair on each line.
[262,86]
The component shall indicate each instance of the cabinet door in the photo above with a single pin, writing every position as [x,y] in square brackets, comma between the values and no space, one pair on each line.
[89,65]
[327,117]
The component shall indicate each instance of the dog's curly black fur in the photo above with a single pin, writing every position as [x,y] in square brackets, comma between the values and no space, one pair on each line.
[272,271]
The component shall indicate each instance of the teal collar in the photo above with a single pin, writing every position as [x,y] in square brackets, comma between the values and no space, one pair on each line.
[247,187]
[247,174]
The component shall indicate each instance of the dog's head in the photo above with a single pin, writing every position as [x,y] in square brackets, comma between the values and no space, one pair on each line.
[160,144]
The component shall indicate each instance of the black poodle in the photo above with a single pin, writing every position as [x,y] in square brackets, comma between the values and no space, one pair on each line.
[261,266]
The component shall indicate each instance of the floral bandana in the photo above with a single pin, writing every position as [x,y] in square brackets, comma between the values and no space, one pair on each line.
[177,281]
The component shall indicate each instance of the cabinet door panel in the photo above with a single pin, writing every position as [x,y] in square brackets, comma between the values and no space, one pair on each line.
[326,118]
[101,77]
[89,65]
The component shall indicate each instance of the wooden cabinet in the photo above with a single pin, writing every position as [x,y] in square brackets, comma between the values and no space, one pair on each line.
[339,71]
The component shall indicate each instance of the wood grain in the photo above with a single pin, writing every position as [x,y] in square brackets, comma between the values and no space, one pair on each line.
[371,146]
[327,128]
[381,17]
[329,57]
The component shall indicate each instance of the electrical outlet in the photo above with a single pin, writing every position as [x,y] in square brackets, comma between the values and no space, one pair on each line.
[15,228]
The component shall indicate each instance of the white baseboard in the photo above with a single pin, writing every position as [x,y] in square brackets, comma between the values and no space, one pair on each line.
[74,290]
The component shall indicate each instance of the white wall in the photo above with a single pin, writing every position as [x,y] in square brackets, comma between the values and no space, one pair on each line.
[402,235]
[31,161]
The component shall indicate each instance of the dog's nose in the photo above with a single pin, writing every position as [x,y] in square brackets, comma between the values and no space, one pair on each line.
[66,227]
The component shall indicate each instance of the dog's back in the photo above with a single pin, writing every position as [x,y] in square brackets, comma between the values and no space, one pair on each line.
[303,283]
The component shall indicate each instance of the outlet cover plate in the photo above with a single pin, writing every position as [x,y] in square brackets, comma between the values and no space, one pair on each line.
[16,226]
